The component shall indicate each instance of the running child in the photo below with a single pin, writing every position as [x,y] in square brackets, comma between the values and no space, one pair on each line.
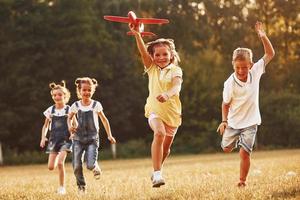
[240,107]
[86,134]
[163,106]
[56,124]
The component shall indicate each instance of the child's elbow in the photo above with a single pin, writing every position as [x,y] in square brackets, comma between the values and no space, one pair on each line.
[271,53]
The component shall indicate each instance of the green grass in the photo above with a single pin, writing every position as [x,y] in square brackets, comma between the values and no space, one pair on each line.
[209,176]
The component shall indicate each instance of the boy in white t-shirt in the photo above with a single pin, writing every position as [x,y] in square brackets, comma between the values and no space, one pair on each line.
[240,107]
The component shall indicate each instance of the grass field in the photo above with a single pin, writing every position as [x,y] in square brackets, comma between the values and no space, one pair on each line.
[273,175]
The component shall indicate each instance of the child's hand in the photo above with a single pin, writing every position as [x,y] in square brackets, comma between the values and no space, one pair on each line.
[43,142]
[72,129]
[71,136]
[133,28]
[162,97]
[222,127]
[111,139]
[259,29]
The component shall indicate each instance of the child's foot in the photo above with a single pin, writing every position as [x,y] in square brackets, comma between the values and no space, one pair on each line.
[61,190]
[158,182]
[157,179]
[97,172]
[81,190]
[241,184]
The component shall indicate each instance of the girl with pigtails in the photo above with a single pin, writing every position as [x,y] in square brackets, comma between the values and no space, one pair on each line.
[163,106]
[85,134]
[59,138]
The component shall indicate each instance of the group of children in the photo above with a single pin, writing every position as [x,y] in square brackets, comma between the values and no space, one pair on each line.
[76,128]
[78,135]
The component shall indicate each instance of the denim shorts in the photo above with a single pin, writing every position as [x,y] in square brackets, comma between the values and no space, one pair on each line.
[244,138]
[55,147]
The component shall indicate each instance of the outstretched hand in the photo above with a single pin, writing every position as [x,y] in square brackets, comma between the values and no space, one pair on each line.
[259,29]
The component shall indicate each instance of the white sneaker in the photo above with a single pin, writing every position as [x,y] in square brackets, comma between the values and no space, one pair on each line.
[61,190]
[97,172]
[157,182]
[157,179]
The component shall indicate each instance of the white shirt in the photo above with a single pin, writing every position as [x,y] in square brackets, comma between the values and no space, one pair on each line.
[243,98]
[98,108]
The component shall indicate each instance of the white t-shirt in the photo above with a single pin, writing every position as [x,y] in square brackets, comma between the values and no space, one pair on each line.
[98,108]
[57,112]
[243,98]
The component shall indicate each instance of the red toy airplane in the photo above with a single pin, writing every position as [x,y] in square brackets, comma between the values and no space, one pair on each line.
[137,22]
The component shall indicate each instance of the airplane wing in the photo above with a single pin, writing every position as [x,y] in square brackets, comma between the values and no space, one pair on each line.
[152,21]
[117,19]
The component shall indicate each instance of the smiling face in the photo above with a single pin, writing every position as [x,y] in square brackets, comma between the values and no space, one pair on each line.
[241,69]
[162,55]
[86,91]
[58,96]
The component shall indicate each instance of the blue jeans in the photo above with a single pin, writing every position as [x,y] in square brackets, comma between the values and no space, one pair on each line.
[91,156]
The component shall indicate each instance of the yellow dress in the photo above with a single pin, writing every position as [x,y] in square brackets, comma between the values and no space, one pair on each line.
[160,80]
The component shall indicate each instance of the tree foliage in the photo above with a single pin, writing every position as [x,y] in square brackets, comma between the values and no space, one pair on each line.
[43,41]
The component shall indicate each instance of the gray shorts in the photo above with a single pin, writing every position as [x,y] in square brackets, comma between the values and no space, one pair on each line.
[244,138]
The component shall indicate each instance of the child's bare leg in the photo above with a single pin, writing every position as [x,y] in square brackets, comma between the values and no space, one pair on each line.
[157,144]
[61,167]
[52,161]
[244,164]
[166,147]
[227,149]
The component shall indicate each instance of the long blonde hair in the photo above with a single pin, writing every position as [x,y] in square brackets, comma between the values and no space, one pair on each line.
[91,81]
[169,43]
[62,86]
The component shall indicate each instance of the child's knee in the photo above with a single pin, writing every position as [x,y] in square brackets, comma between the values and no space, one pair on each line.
[159,134]
[90,166]
[244,155]
[60,165]
[51,167]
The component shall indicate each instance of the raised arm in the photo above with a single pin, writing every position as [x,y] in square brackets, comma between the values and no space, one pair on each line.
[268,48]
[147,60]
[106,125]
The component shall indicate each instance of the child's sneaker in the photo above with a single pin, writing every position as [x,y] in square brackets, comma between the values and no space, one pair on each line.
[97,172]
[61,190]
[157,179]
[81,190]
[158,182]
